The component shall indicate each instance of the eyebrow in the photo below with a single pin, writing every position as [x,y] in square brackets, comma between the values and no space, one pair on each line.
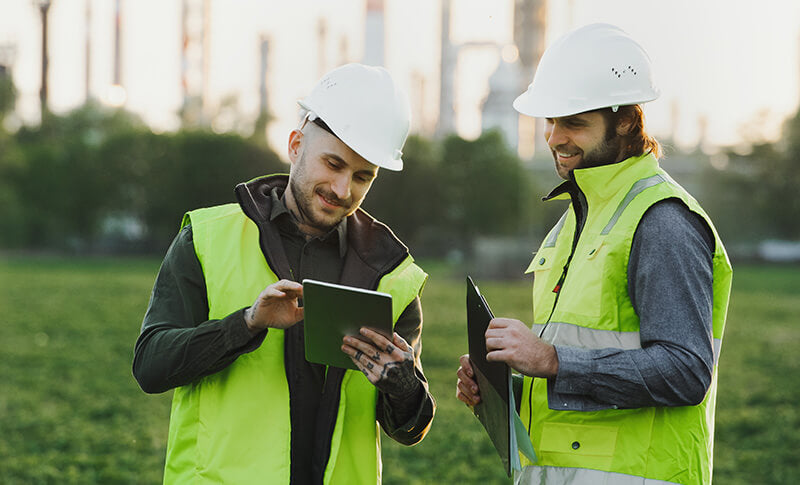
[572,119]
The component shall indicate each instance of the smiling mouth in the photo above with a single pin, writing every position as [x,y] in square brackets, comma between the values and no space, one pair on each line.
[566,155]
[334,203]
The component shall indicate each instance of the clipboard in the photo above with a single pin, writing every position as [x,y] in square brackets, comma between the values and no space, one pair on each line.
[332,311]
[497,410]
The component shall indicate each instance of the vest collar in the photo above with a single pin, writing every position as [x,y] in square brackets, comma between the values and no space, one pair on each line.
[372,248]
[606,181]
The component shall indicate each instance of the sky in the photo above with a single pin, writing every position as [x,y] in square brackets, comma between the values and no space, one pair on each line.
[728,70]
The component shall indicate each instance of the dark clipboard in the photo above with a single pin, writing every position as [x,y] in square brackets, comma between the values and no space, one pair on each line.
[493,378]
[332,311]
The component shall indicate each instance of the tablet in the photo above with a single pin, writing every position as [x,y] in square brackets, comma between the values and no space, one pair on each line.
[332,311]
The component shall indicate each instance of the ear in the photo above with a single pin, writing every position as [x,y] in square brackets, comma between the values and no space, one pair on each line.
[295,145]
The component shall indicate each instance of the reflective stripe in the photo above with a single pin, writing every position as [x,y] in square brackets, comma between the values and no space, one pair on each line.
[559,333]
[551,240]
[552,475]
[635,190]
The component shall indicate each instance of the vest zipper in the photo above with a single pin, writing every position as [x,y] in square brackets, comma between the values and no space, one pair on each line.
[581,208]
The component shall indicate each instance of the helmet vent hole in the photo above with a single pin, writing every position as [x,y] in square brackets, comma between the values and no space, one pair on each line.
[627,70]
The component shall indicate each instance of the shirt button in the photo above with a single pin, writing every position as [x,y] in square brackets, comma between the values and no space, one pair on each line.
[575,445]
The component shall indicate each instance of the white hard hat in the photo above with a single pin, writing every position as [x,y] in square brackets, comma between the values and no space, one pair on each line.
[595,66]
[364,107]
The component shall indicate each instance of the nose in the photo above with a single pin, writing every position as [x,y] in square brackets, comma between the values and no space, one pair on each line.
[554,134]
[341,186]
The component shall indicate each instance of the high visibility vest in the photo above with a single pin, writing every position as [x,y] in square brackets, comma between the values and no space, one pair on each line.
[593,310]
[234,426]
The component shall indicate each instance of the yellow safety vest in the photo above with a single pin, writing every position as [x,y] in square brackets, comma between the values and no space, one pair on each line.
[593,310]
[234,426]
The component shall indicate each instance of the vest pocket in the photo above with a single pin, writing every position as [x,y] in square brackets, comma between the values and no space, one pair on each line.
[577,445]
[542,261]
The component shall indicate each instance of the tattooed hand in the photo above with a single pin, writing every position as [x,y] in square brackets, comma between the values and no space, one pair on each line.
[389,365]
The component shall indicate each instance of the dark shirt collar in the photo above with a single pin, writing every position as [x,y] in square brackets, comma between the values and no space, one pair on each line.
[279,209]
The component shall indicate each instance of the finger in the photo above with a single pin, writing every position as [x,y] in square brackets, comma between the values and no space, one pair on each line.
[359,345]
[496,356]
[401,342]
[468,381]
[461,397]
[379,340]
[288,285]
[468,390]
[466,365]
[494,344]
[467,398]
[368,369]
[373,353]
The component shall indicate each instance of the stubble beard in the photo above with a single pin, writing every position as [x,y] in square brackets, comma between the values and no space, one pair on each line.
[305,203]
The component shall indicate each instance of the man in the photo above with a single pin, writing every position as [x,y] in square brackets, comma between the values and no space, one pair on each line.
[630,287]
[224,324]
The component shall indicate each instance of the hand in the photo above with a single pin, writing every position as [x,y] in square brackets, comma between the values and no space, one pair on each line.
[387,365]
[512,342]
[466,387]
[276,307]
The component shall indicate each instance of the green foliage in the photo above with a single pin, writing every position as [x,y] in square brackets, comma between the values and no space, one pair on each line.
[163,176]
[779,181]
[411,201]
[64,180]
[761,188]
[452,191]
[486,185]
[8,92]
[71,412]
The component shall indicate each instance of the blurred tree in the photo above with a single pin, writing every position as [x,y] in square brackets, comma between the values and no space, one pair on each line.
[8,93]
[410,201]
[62,184]
[188,170]
[485,188]
[779,177]
[67,181]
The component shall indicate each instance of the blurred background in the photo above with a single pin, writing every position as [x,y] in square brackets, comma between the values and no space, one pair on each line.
[117,116]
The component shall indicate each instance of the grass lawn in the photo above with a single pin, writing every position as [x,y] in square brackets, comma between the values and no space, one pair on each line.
[71,413]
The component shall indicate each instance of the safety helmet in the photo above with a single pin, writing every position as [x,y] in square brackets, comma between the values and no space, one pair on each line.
[592,67]
[365,109]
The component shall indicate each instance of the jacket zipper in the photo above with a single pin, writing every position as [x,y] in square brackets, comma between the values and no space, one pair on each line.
[581,208]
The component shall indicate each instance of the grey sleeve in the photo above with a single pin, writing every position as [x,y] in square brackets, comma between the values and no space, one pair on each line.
[178,343]
[670,278]
[407,420]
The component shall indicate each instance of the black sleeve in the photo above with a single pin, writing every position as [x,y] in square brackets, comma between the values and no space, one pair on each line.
[178,343]
[407,420]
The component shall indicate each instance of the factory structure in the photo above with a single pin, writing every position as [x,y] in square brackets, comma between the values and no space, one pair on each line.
[436,112]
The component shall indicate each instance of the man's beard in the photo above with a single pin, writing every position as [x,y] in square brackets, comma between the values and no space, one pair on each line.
[605,154]
[304,203]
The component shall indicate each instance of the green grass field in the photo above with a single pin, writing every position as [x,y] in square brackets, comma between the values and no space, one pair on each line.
[71,413]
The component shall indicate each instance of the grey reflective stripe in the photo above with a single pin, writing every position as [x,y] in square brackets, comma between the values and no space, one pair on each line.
[553,475]
[635,190]
[551,240]
[558,333]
